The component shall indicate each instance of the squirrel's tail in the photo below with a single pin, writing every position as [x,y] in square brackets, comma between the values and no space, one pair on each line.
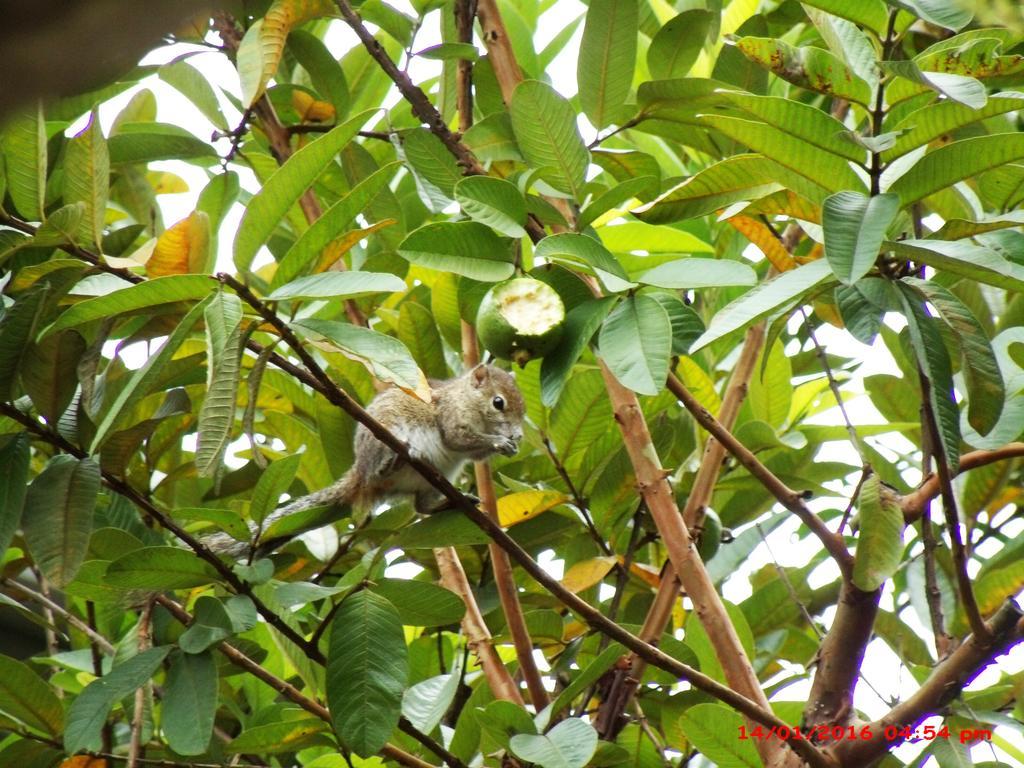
[345,491]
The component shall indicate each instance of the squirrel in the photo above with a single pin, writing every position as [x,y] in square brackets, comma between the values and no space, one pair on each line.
[468,418]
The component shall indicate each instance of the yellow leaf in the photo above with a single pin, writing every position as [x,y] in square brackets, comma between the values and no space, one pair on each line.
[699,383]
[166,183]
[759,234]
[182,249]
[312,110]
[342,245]
[517,507]
[587,573]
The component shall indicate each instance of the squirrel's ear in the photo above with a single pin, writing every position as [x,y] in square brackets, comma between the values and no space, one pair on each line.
[479,375]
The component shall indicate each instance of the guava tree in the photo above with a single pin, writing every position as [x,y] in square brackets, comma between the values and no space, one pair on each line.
[787,241]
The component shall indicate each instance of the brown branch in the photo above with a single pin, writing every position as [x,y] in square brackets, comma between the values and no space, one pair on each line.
[478,636]
[943,685]
[139,714]
[660,612]
[790,499]
[913,503]
[465,11]
[949,507]
[840,657]
[123,488]
[932,593]
[283,687]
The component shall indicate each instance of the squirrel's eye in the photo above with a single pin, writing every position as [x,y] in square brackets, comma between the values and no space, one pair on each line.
[499,403]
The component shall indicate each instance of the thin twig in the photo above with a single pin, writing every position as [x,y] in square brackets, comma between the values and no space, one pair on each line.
[834,386]
[95,637]
[142,692]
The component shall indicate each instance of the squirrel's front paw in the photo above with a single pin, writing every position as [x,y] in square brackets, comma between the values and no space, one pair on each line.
[506,446]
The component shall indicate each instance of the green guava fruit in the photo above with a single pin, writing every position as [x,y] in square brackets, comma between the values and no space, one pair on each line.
[520,319]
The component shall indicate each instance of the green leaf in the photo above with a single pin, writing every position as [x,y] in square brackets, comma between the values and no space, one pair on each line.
[149,142]
[49,372]
[963,90]
[964,259]
[955,162]
[495,202]
[847,41]
[87,179]
[14,461]
[191,84]
[189,702]
[17,327]
[934,120]
[617,195]
[425,703]
[367,670]
[807,67]
[448,51]
[274,738]
[215,620]
[570,744]
[151,293]
[880,540]
[855,226]
[143,379]
[421,604]
[466,248]
[632,236]
[862,307]
[545,128]
[58,515]
[713,729]
[274,481]
[800,120]
[160,568]
[223,316]
[872,14]
[444,529]
[687,274]
[771,387]
[687,325]
[765,299]
[675,47]
[418,331]
[26,697]
[24,148]
[435,168]
[335,285]
[951,15]
[333,223]
[386,356]
[283,189]
[933,361]
[61,227]
[744,177]
[585,252]
[980,368]
[607,59]
[493,139]
[833,173]
[581,323]
[88,712]
[636,343]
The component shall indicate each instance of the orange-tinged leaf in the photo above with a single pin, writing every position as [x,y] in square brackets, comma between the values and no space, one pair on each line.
[261,48]
[312,110]
[346,242]
[587,573]
[84,761]
[646,573]
[523,505]
[758,233]
[182,249]
[816,252]
[829,313]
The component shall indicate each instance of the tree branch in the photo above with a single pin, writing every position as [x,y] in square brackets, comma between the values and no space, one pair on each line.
[943,685]
[789,498]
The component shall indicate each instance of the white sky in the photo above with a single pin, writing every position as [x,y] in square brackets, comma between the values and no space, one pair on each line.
[882,668]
